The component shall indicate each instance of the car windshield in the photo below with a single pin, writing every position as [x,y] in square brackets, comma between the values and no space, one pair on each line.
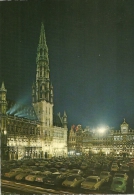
[91,180]
[53,169]
[35,173]
[74,171]
[53,176]
[118,182]
[71,178]
[105,174]
[119,175]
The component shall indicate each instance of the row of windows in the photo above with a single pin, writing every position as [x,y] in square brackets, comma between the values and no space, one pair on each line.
[23,131]
[58,134]
[121,138]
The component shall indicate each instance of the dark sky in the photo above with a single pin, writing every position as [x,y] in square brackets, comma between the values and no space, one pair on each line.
[91,53]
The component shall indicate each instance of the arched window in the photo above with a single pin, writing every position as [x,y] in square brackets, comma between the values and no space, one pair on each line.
[41,71]
[40,91]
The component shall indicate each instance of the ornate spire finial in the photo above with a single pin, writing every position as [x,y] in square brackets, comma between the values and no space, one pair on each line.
[2,86]
[65,114]
[42,50]
[42,39]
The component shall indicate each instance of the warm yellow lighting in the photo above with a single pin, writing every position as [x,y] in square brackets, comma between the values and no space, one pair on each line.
[101,130]
[5,132]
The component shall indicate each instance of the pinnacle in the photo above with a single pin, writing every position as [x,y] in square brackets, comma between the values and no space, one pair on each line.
[42,35]
[2,86]
[65,115]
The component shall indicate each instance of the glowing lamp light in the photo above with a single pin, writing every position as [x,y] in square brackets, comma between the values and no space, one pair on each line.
[101,130]
[5,132]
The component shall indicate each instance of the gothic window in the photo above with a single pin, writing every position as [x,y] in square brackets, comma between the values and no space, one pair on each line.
[41,71]
[41,52]
[38,132]
[32,131]
[40,91]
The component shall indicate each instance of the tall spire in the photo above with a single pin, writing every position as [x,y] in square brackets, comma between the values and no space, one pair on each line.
[42,39]
[42,50]
[3,86]
[42,92]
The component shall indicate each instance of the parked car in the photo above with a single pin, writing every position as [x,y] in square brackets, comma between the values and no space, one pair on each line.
[13,173]
[63,170]
[92,183]
[105,167]
[76,171]
[97,166]
[119,185]
[89,172]
[105,175]
[53,170]
[60,178]
[58,164]
[124,168]
[83,166]
[4,170]
[114,168]
[73,181]
[40,177]
[32,176]
[130,164]
[22,175]
[121,175]
[51,179]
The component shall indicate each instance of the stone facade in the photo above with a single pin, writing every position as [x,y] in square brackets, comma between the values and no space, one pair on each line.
[110,142]
[33,131]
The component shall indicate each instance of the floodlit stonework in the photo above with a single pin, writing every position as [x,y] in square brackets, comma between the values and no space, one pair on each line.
[33,131]
[107,142]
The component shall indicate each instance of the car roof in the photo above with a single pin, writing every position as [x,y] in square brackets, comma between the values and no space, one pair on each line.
[118,178]
[93,177]
[105,172]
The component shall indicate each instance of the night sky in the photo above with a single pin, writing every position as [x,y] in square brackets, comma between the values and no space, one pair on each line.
[91,54]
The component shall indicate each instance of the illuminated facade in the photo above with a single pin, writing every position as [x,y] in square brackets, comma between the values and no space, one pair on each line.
[110,142]
[33,131]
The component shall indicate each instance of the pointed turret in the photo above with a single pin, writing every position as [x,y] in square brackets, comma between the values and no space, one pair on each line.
[3,86]
[65,120]
[42,50]
[3,102]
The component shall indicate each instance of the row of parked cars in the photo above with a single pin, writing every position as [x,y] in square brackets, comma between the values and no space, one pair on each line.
[56,172]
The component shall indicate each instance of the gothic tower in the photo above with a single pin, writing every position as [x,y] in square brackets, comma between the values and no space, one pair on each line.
[3,102]
[3,108]
[42,90]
